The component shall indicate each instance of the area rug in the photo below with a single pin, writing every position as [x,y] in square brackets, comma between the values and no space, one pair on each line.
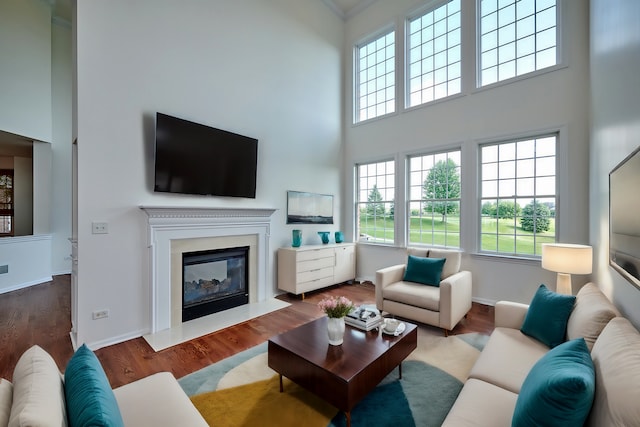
[243,391]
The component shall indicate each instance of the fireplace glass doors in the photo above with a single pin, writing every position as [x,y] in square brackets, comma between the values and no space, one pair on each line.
[213,281]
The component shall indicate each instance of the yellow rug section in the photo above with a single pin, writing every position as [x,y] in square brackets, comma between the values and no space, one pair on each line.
[261,404]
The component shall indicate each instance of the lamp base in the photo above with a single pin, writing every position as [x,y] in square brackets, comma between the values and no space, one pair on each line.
[563,284]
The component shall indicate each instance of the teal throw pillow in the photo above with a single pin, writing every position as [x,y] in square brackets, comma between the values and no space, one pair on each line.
[547,316]
[424,270]
[90,400]
[559,389]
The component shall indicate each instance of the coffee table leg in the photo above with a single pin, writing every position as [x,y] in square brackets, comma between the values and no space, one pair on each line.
[348,415]
[281,388]
[400,370]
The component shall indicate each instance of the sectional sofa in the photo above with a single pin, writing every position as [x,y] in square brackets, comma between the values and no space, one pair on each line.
[520,381]
[41,396]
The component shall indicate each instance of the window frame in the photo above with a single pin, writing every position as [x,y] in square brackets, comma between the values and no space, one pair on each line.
[409,200]
[559,46]
[557,189]
[382,32]
[406,52]
[9,212]
[358,203]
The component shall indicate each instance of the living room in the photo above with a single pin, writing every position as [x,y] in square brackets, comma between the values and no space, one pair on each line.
[290,62]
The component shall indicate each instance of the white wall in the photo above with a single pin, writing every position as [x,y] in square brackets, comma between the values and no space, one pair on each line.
[270,70]
[615,114]
[555,100]
[61,147]
[25,69]
[28,261]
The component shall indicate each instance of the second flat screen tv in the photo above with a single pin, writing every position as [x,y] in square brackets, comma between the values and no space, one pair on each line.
[192,158]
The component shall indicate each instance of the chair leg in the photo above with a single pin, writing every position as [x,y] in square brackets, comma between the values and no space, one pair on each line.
[446,332]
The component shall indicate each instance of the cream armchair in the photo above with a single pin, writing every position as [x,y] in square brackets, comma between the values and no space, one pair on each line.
[442,306]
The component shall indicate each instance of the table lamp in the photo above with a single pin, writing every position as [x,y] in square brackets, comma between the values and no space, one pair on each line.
[566,259]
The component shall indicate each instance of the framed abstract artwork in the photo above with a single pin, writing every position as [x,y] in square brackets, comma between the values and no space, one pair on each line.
[309,208]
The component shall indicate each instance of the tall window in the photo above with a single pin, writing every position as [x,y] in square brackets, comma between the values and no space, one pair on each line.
[374,205]
[518,196]
[375,78]
[6,202]
[434,199]
[433,43]
[516,37]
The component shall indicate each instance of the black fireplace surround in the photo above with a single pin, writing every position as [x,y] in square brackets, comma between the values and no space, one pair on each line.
[214,280]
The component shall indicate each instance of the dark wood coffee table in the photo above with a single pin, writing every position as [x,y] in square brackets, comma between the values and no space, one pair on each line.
[341,375]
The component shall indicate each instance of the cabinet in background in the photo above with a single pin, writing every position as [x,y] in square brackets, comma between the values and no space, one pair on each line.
[312,267]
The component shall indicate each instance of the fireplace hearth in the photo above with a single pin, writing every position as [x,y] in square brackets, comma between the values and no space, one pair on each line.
[213,281]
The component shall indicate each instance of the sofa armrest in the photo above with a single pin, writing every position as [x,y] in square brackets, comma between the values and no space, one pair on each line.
[157,400]
[385,277]
[455,299]
[510,314]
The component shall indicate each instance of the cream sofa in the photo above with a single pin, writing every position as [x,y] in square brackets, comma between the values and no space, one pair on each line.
[37,397]
[442,306]
[489,396]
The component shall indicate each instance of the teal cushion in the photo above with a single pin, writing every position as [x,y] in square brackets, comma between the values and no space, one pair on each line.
[559,389]
[90,400]
[547,316]
[424,270]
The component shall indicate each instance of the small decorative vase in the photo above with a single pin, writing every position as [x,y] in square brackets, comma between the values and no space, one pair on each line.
[335,329]
[297,238]
[324,235]
[339,237]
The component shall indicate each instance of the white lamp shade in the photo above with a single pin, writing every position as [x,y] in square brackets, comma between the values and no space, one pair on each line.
[567,258]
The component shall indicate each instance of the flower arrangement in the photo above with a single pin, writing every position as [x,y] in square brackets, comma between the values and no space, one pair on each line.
[336,306]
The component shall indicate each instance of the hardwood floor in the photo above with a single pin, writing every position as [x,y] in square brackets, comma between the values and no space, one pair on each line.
[41,315]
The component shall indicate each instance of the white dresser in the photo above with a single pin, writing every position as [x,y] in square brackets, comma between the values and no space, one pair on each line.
[312,267]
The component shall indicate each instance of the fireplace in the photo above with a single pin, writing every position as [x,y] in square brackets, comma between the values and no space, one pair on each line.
[214,280]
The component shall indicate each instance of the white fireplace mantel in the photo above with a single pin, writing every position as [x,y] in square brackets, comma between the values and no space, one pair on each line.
[167,224]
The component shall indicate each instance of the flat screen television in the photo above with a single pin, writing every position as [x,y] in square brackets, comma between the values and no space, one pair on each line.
[624,218]
[192,158]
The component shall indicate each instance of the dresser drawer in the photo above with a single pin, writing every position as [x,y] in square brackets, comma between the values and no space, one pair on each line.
[315,284]
[320,273]
[315,254]
[315,264]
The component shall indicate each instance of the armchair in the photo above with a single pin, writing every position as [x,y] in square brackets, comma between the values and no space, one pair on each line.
[441,306]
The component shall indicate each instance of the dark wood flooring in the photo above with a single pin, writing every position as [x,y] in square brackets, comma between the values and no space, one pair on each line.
[41,315]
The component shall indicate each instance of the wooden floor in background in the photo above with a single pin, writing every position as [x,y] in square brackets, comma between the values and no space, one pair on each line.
[41,315]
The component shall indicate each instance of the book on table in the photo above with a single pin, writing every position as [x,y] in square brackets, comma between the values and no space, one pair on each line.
[365,317]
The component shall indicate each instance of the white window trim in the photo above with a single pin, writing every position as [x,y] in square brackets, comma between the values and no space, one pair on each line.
[561,60]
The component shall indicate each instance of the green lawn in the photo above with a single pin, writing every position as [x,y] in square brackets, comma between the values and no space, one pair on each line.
[497,234]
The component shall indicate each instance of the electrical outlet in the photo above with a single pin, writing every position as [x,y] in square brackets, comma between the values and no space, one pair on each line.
[99,228]
[100,314]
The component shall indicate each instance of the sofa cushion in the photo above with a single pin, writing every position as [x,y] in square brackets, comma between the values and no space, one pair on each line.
[38,392]
[6,398]
[90,400]
[413,294]
[157,400]
[424,270]
[616,360]
[547,316]
[559,389]
[452,266]
[590,315]
[507,358]
[481,404]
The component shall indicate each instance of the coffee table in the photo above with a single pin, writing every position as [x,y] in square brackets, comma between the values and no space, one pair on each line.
[341,375]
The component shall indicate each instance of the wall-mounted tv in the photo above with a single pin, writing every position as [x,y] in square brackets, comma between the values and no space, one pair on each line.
[192,158]
[624,218]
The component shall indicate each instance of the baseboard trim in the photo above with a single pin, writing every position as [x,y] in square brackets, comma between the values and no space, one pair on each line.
[26,284]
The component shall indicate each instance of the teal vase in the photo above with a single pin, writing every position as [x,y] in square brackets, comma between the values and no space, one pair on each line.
[297,238]
[339,237]
[324,235]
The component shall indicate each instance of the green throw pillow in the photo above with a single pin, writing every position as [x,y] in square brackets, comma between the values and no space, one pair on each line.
[547,316]
[559,389]
[90,400]
[424,270]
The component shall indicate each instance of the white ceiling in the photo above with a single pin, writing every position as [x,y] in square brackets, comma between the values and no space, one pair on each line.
[345,9]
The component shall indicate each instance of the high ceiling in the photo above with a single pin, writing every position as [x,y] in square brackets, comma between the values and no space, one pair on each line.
[343,8]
